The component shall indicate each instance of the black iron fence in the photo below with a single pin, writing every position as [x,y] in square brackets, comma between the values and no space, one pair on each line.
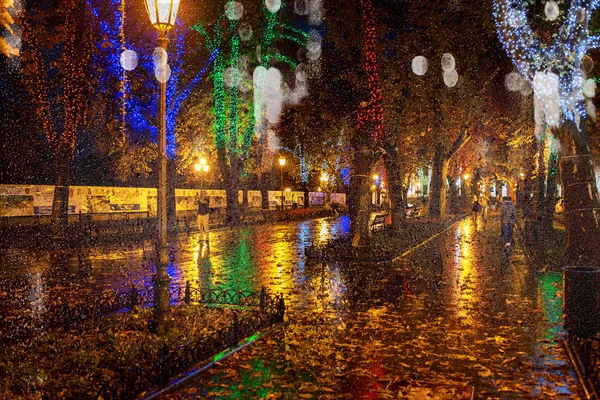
[68,315]
[173,360]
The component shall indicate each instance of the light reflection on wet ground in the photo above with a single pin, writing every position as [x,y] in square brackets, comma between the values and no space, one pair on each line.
[448,313]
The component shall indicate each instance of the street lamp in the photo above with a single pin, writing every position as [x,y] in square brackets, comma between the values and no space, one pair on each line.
[162,14]
[203,168]
[281,165]
[324,178]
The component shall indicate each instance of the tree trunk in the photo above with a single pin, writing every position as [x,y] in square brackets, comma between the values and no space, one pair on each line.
[60,199]
[550,199]
[526,203]
[306,192]
[264,190]
[436,205]
[360,197]
[232,185]
[541,179]
[581,204]
[395,190]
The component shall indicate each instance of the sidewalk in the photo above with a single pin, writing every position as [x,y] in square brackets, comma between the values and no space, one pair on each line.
[448,319]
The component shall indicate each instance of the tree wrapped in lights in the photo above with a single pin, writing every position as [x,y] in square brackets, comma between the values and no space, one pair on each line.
[55,64]
[555,70]
[237,117]
[134,131]
[370,121]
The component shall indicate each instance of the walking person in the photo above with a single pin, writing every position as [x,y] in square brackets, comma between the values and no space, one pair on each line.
[475,209]
[507,218]
[484,202]
[203,210]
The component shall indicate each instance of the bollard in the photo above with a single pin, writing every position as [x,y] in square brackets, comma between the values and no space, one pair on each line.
[281,308]
[65,314]
[133,297]
[581,300]
[236,330]
[164,366]
[263,299]
[188,293]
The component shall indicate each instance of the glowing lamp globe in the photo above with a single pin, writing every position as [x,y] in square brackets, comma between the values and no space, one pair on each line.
[198,166]
[162,13]
[282,161]
[205,168]
[203,161]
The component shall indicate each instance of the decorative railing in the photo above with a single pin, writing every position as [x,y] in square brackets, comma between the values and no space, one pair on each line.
[68,315]
[158,370]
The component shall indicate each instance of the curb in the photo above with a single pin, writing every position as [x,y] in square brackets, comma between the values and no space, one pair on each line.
[430,238]
[588,389]
[186,376]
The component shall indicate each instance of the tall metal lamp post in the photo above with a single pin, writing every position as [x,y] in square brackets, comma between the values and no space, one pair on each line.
[281,165]
[162,14]
[324,178]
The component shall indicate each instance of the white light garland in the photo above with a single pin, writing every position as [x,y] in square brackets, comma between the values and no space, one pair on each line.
[562,59]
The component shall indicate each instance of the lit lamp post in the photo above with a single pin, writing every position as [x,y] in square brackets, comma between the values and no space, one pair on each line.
[281,165]
[324,178]
[162,14]
[377,189]
[203,168]
[466,188]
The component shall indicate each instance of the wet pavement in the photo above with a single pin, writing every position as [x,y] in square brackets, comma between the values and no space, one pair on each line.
[449,319]
[453,319]
[33,283]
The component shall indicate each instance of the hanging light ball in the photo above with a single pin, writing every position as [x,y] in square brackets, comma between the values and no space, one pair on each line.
[300,72]
[587,64]
[159,57]
[551,10]
[273,5]
[451,78]
[419,65]
[129,60]
[162,73]
[591,109]
[245,31]
[234,10]
[589,88]
[448,62]
[514,81]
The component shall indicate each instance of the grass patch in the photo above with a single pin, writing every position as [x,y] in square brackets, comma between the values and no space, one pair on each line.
[76,363]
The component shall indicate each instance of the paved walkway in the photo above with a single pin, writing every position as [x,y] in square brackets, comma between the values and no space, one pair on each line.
[447,320]
[243,258]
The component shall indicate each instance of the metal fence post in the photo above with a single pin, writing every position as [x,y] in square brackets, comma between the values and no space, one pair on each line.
[281,308]
[133,297]
[236,330]
[65,314]
[263,298]
[164,365]
[188,293]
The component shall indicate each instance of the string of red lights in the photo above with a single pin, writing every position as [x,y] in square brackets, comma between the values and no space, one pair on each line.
[371,118]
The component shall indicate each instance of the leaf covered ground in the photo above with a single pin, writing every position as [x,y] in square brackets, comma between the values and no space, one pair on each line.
[448,320]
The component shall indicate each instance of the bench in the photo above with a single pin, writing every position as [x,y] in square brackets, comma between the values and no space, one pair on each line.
[379,221]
